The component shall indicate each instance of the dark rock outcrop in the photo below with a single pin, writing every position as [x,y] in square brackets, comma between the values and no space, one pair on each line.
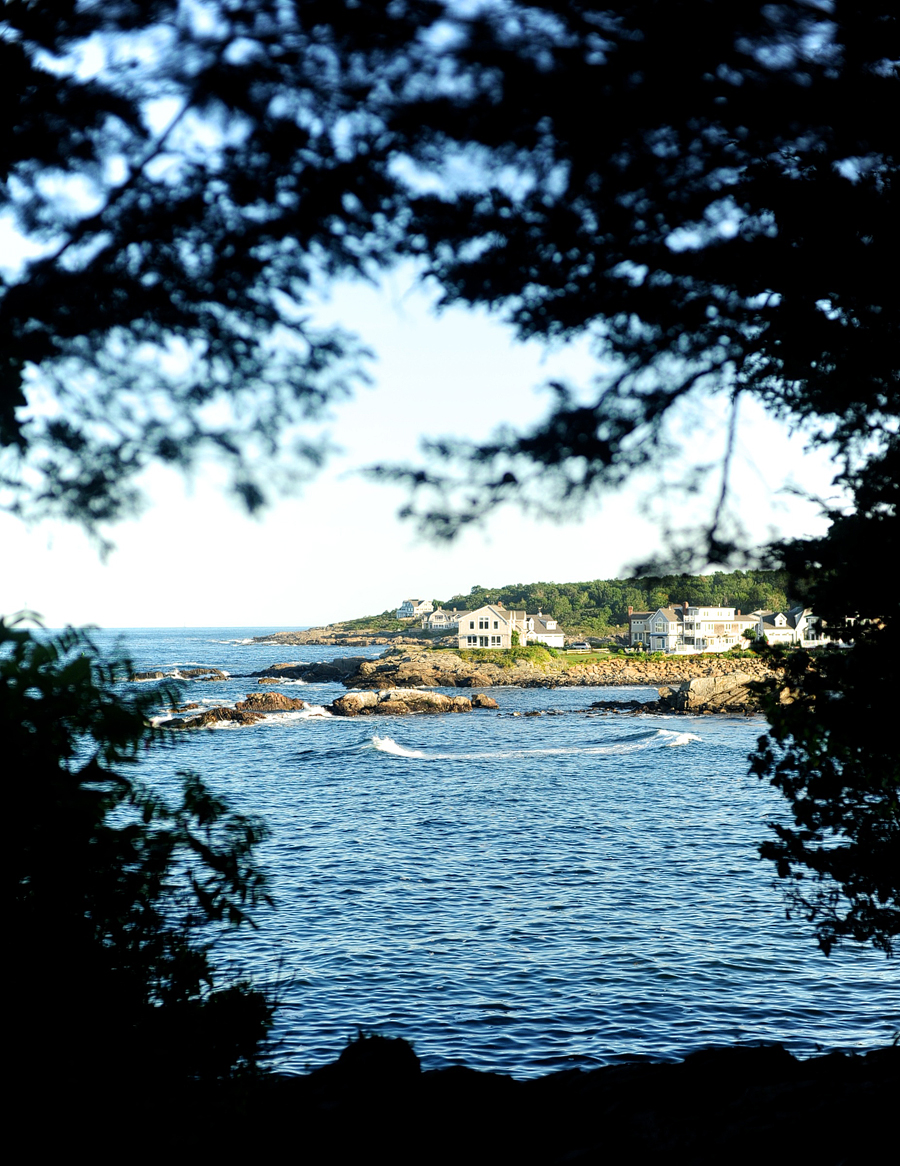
[182,674]
[269,702]
[480,701]
[397,702]
[325,672]
[214,716]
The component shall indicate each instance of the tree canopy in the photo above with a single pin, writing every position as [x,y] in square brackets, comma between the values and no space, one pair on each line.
[707,190]
[596,606]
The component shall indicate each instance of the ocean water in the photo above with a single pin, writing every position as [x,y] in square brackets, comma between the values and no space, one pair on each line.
[508,892]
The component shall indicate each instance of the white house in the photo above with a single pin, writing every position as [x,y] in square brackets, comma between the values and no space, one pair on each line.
[440,620]
[410,608]
[797,625]
[715,629]
[690,629]
[542,629]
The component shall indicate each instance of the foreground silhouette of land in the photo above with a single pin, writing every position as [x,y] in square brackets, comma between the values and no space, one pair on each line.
[732,1105]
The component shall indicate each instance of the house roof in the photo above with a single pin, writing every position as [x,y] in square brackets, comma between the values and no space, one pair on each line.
[504,613]
[540,624]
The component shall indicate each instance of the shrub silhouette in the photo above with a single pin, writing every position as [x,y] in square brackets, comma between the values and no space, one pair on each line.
[114,888]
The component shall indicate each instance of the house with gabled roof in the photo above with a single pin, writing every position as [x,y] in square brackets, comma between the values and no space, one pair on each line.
[440,620]
[797,625]
[494,626]
[543,629]
[689,629]
[491,626]
[639,627]
[411,608]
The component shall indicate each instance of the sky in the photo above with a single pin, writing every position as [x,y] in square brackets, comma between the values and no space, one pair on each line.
[338,551]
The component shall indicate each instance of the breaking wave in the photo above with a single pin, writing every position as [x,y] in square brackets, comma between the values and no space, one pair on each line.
[635,743]
[389,745]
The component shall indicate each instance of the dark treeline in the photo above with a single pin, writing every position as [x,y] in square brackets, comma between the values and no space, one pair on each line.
[600,605]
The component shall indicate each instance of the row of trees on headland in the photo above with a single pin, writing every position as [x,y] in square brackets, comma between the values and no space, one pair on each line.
[599,606]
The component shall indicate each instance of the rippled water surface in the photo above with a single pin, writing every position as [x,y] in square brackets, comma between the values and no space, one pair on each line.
[516,893]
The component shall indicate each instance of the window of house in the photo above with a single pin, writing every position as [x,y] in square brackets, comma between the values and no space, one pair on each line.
[496,623]
[471,623]
[472,641]
[495,640]
[483,623]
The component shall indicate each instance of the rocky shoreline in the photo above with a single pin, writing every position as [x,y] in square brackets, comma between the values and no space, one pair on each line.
[736,1105]
[398,684]
[324,637]
[424,668]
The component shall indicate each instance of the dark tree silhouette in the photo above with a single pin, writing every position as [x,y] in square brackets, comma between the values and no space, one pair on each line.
[115,894]
[181,177]
[708,190]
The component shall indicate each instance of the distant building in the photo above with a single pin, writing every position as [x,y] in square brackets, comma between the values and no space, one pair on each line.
[410,608]
[639,628]
[688,629]
[493,626]
[440,620]
[796,626]
[544,630]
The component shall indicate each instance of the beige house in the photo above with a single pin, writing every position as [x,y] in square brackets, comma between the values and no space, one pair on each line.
[493,625]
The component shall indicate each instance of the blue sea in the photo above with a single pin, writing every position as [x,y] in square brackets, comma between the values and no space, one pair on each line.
[512,893]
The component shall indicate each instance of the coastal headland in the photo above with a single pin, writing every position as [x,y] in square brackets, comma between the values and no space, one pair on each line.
[399,683]
[685,684]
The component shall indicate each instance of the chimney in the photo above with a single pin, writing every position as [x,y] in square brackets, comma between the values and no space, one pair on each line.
[685,605]
[631,610]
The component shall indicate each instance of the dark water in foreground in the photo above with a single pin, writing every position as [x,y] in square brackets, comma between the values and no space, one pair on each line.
[516,894]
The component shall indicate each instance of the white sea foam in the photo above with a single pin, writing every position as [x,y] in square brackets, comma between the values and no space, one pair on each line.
[678,738]
[665,738]
[312,710]
[389,745]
